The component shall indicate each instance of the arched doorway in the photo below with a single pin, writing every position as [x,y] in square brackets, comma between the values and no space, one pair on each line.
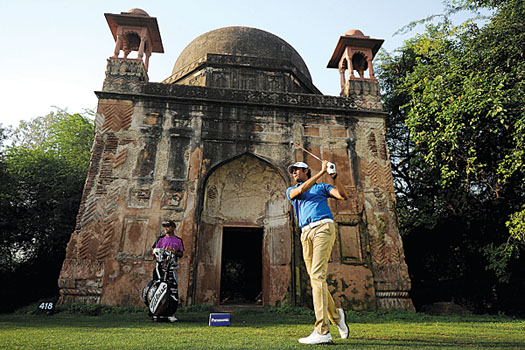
[244,209]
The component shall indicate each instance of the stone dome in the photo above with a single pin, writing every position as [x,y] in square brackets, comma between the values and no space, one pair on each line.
[355,32]
[240,41]
[138,12]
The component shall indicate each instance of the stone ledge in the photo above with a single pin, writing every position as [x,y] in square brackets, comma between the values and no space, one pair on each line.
[249,97]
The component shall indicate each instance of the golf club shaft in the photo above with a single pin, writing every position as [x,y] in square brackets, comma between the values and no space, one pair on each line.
[307,151]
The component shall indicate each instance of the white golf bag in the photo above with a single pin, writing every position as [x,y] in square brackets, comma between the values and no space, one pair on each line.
[161,295]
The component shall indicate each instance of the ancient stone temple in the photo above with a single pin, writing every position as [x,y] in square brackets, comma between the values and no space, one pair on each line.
[209,147]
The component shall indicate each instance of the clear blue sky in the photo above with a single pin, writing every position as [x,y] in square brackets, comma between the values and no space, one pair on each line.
[54,52]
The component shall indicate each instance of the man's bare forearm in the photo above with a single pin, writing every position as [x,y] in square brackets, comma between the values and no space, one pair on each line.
[305,186]
[310,182]
[340,188]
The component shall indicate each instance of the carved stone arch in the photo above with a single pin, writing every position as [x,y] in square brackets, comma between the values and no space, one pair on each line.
[131,42]
[360,63]
[362,53]
[245,191]
[282,172]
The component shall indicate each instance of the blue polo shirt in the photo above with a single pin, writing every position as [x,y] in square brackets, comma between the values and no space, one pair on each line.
[312,205]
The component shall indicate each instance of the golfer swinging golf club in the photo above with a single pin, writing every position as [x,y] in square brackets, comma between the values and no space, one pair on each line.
[310,201]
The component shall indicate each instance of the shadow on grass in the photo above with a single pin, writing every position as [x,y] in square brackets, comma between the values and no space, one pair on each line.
[425,344]
[104,316]
[138,320]
[257,326]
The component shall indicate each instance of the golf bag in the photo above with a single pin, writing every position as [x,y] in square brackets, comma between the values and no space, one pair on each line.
[161,295]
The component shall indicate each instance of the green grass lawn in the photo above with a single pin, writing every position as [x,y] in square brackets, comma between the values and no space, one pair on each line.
[271,328]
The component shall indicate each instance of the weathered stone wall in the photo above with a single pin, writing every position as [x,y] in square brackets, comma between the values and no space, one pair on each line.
[391,279]
[170,151]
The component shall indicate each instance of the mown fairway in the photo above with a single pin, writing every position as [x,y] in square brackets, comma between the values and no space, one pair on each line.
[257,329]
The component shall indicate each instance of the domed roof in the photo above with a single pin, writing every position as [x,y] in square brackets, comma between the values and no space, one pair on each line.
[138,12]
[240,41]
[356,33]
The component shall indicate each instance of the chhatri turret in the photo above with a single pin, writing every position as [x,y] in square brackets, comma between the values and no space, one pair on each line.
[354,52]
[135,30]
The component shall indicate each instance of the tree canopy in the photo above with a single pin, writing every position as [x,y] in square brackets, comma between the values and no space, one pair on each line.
[456,95]
[43,172]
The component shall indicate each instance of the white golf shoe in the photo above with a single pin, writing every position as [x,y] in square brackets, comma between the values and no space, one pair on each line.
[316,338]
[342,326]
[172,319]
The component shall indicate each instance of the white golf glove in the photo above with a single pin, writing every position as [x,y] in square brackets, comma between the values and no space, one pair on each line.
[330,169]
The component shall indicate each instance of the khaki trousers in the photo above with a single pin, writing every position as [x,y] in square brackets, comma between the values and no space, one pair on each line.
[317,247]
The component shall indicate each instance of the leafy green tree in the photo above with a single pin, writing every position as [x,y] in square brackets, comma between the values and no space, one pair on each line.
[5,199]
[456,96]
[45,168]
[67,136]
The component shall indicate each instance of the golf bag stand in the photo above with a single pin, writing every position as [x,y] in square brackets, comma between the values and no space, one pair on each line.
[161,295]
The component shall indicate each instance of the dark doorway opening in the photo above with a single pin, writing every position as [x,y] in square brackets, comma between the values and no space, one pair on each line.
[241,265]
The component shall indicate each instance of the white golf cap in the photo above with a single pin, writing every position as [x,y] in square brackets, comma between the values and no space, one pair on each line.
[297,165]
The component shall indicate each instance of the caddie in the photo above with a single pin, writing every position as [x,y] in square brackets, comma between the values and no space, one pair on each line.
[310,202]
[171,243]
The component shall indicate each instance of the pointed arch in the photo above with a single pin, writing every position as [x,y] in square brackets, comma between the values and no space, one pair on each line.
[245,191]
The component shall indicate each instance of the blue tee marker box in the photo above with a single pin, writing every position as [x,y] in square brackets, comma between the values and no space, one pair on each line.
[221,319]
